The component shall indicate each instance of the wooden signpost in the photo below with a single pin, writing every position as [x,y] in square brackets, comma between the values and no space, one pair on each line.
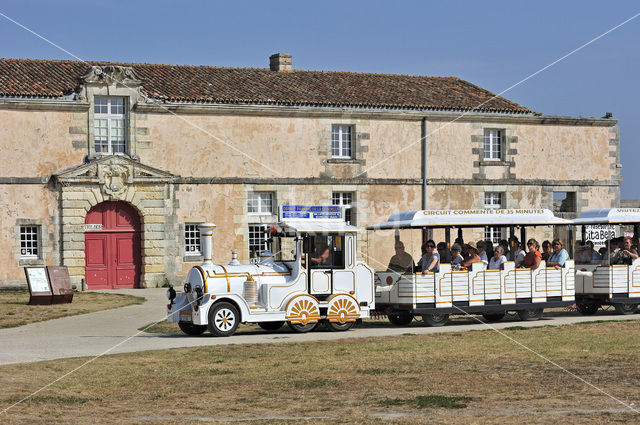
[48,285]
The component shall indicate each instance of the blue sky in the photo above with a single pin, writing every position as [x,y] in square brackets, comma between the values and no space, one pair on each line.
[493,44]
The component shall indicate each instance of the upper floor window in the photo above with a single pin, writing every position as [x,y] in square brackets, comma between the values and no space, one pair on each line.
[191,239]
[109,122]
[29,242]
[493,145]
[260,203]
[341,146]
[346,199]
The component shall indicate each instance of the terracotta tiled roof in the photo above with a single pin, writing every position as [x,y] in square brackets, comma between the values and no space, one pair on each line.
[31,77]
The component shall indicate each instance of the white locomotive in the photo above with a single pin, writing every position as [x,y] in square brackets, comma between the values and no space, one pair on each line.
[312,277]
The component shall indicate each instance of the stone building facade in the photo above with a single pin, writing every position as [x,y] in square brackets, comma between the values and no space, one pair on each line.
[172,146]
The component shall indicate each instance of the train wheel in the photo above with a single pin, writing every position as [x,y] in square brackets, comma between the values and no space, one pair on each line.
[191,329]
[435,319]
[223,319]
[530,314]
[493,317]
[587,309]
[400,318]
[299,327]
[625,308]
[271,326]
[339,327]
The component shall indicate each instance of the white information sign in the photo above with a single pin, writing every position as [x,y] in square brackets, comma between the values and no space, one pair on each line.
[92,227]
[38,279]
[600,233]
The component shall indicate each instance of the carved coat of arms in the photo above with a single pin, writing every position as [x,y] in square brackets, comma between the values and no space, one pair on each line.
[115,180]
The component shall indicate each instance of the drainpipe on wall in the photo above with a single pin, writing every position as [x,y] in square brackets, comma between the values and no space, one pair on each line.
[426,234]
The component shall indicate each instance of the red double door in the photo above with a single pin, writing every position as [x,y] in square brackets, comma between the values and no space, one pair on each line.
[112,246]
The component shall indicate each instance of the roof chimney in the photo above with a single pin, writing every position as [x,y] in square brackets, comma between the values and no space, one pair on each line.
[280,62]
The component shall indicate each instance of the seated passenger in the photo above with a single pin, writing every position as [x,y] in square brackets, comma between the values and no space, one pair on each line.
[473,256]
[517,254]
[593,255]
[497,261]
[559,255]
[546,250]
[456,258]
[443,251]
[482,251]
[626,254]
[401,262]
[533,257]
[431,263]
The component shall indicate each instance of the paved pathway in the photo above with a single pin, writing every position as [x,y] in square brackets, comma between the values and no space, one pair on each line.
[116,331]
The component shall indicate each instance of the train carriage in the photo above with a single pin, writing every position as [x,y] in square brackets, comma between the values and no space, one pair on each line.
[312,277]
[492,293]
[599,280]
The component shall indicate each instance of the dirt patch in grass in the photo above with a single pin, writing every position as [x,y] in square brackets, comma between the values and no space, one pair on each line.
[473,377]
[14,310]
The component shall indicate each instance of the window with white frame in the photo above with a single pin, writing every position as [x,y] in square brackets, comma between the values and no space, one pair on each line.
[192,240]
[29,242]
[346,199]
[260,203]
[341,146]
[492,145]
[109,123]
[258,240]
[493,201]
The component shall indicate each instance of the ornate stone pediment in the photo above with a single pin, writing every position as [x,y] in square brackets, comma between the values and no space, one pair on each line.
[118,81]
[112,74]
[113,175]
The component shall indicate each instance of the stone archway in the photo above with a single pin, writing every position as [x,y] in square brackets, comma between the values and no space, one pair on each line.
[119,180]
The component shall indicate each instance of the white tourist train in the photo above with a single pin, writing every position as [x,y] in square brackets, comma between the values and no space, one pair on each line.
[608,279]
[312,277]
[492,293]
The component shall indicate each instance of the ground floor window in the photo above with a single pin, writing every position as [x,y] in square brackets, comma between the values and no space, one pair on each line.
[258,240]
[345,199]
[29,242]
[191,239]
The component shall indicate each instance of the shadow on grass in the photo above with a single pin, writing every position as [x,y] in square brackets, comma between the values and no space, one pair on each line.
[426,401]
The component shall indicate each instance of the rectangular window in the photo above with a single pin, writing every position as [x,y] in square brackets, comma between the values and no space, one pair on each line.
[29,242]
[258,240]
[109,124]
[341,141]
[493,145]
[191,239]
[260,203]
[346,199]
[493,201]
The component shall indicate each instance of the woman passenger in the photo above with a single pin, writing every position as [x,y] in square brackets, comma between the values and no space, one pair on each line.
[482,251]
[432,263]
[497,261]
[473,255]
[559,255]
[533,257]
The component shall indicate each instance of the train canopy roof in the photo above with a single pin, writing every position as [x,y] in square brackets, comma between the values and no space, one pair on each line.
[470,218]
[609,215]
